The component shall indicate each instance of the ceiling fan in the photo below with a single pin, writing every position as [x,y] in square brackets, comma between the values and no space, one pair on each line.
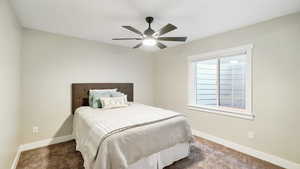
[151,37]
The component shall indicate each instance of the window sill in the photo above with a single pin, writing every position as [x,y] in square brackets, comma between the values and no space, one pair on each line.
[231,113]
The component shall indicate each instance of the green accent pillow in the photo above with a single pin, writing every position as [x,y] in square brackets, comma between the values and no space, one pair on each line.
[96,99]
[117,94]
[94,96]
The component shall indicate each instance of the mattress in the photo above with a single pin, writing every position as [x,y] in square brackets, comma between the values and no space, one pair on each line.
[127,137]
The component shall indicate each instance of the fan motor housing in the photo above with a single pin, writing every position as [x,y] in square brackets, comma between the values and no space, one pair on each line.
[149,32]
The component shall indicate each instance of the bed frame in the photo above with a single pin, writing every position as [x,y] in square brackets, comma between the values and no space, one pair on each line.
[80,92]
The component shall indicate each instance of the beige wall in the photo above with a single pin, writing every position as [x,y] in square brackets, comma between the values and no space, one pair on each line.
[51,63]
[10,40]
[276,81]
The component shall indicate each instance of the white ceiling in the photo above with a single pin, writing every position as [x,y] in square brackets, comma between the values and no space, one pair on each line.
[100,20]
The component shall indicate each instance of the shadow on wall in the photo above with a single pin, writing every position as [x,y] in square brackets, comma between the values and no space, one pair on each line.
[66,128]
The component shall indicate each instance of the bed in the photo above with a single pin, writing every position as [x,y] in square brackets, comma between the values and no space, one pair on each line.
[133,137]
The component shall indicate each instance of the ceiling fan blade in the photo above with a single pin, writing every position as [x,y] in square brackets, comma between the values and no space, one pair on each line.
[132,29]
[137,46]
[127,39]
[165,29]
[160,45]
[178,39]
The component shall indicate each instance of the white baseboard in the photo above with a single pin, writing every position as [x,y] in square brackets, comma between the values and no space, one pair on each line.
[16,160]
[38,144]
[250,151]
[46,142]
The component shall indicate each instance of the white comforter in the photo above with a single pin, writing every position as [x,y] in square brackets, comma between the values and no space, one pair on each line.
[116,138]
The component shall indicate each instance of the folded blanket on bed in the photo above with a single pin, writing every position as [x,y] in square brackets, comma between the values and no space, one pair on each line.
[116,138]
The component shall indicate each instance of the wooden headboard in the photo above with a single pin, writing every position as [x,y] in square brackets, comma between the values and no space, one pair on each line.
[80,92]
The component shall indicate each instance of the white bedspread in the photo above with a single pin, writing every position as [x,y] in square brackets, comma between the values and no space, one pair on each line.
[116,138]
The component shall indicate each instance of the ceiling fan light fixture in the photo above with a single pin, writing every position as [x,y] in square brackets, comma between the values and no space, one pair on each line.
[151,37]
[149,42]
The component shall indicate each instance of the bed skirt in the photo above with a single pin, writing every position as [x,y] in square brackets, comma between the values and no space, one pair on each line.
[159,160]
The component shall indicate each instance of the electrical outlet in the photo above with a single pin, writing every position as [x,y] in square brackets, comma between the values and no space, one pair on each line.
[251,134]
[35,130]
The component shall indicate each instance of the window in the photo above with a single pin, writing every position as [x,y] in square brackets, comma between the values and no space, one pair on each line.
[220,82]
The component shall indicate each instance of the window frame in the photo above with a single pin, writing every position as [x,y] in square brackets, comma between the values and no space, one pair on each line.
[246,113]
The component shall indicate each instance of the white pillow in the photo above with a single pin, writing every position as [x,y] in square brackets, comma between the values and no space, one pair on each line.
[114,102]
